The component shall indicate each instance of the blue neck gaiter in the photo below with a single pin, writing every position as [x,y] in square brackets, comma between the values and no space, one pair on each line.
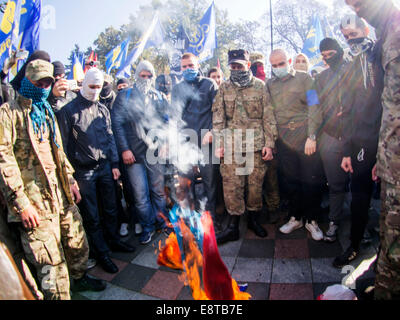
[190,75]
[40,106]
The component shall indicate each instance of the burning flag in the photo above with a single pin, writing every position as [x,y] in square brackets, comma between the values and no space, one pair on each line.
[193,248]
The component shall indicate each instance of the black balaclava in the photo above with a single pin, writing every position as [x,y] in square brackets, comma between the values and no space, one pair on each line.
[106,91]
[164,84]
[59,68]
[38,54]
[331,44]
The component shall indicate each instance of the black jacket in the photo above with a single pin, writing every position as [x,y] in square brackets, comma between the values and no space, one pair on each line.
[87,134]
[195,100]
[362,124]
[132,119]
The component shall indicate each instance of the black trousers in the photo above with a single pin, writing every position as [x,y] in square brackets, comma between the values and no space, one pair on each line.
[302,178]
[98,228]
[363,160]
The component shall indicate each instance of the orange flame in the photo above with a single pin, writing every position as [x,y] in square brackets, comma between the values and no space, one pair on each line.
[170,256]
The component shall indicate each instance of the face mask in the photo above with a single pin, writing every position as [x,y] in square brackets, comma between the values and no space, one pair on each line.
[190,74]
[334,61]
[241,78]
[301,67]
[359,45]
[144,85]
[281,72]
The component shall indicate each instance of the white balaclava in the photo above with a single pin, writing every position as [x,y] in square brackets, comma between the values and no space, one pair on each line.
[93,77]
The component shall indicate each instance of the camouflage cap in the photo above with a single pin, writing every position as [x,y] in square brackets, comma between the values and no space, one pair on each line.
[238,56]
[39,69]
[257,57]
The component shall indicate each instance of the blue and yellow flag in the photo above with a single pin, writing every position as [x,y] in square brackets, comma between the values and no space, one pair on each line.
[10,29]
[314,38]
[76,69]
[151,38]
[30,25]
[117,56]
[204,40]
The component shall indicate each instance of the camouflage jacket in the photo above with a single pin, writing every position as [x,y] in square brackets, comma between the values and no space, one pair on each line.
[23,179]
[245,108]
[388,164]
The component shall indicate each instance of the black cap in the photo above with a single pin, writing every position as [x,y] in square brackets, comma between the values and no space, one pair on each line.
[238,56]
[123,80]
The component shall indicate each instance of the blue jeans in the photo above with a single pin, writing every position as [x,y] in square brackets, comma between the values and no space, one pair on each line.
[91,181]
[148,190]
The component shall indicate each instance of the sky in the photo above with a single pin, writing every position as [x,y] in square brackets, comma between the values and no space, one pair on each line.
[81,21]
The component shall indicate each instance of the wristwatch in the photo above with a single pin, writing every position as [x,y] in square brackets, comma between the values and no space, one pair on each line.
[312,137]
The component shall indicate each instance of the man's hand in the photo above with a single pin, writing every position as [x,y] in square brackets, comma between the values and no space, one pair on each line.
[116,174]
[76,195]
[30,218]
[60,87]
[375,177]
[219,153]
[267,154]
[346,165]
[208,138]
[311,147]
[128,157]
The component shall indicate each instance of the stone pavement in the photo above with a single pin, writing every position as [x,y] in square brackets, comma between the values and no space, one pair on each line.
[280,267]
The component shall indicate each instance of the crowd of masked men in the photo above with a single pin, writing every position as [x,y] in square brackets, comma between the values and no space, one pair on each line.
[76,179]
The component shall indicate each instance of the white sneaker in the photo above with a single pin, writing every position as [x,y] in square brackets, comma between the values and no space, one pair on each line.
[123,231]
[292,225]
[315,231]
[138,228]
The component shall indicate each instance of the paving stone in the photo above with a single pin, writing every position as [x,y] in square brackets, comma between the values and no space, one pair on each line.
[147,258]
[291,249]
[252,270]
[257,249]
[134,277]
[323,271]
[291,271]
[230,249]
[117,293]
[164,285]
[98,271]
[291,291]
[322,249]
[185,294]
[258,290]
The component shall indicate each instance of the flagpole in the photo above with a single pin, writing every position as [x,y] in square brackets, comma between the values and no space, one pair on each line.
[272,30]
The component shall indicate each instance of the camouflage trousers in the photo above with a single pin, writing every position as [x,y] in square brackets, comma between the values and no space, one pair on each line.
[57,248]
[387,282]
[235,184]
[271,186]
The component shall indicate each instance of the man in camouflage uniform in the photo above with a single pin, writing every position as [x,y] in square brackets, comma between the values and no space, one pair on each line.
[271,184]
[295,106]
[385,17]
[240,110]
[36,181]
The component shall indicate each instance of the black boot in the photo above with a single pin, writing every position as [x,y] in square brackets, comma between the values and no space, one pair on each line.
[231,233]
[254,225]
